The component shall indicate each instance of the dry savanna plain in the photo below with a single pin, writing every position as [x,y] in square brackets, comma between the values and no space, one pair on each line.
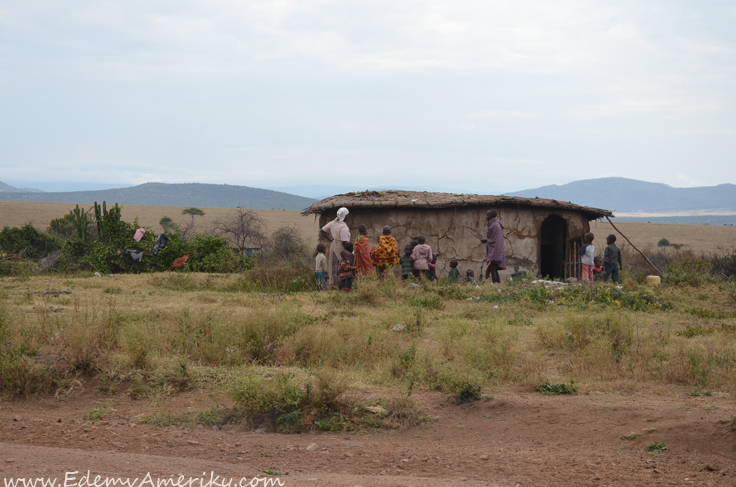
[518,384]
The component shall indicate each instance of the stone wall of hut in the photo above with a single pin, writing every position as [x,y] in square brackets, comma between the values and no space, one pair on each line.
[455,233]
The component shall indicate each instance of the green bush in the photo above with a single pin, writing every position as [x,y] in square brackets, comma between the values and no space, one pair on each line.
[28,242]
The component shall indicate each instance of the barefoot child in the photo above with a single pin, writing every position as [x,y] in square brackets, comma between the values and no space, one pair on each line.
[407,263]
[362,252]
[611,259]
[587,253]
[347,272]
[385,254]
[597,268]
[422,255]
[454,273]
[320,267]
[470,276]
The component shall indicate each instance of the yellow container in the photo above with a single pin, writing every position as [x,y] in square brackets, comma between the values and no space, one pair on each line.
[653,280]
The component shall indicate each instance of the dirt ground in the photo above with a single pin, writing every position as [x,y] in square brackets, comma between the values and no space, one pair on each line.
[516,438]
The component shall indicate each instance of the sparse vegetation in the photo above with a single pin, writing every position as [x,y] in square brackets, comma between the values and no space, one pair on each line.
[556,389]
[655,448]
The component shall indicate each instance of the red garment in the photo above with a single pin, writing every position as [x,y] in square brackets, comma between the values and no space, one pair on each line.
[362,253]
[179,263]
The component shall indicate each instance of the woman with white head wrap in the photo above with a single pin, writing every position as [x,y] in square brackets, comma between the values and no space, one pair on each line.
[338,232]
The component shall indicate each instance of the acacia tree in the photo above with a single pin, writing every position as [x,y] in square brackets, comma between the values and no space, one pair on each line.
[243,229]
[193,212]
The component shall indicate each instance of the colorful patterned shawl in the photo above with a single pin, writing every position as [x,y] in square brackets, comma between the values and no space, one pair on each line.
[386,252]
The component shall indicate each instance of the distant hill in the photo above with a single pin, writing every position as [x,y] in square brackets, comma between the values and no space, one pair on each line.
[630,195]
[6,188]
[161,194]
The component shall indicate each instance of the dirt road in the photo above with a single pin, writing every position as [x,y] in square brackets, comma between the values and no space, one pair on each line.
[517,438]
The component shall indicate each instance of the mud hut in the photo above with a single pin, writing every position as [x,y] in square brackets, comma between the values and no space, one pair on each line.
[542,236]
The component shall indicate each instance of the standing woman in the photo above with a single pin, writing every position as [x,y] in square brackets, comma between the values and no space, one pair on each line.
[338,233]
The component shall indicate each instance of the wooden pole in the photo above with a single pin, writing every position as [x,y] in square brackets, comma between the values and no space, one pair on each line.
[634,246]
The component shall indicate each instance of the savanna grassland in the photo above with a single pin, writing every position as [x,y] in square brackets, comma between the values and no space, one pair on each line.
[698,238]
[197,362]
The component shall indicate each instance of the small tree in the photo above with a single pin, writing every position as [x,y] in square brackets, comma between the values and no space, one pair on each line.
[193,212]
[663,242]
[168,224]
[243,229]
[288,243]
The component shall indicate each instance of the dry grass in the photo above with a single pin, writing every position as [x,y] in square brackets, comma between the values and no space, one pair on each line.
[192,330]
[16,213]
[698,238]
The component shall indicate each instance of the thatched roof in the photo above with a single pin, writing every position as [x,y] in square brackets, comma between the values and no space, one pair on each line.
[426,200]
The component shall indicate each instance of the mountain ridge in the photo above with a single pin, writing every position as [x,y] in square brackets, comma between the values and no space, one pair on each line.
[631,195]
[183,194]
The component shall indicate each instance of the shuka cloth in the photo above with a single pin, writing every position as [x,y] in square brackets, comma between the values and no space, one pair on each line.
[495,250]
[362,256]
[386,252]
[339,232]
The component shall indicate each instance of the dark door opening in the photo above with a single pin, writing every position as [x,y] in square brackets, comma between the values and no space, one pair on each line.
[552,236]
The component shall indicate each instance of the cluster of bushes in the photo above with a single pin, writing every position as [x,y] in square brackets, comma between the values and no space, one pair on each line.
[98,240]
[681,266]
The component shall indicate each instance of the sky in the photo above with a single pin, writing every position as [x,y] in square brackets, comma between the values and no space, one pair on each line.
[475,96]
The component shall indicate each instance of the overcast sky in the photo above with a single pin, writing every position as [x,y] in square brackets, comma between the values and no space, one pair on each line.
[484,96]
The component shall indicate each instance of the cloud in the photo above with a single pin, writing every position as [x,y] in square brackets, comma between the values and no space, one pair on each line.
[170,90]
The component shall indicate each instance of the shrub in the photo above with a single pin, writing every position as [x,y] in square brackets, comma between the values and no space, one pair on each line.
[28,242]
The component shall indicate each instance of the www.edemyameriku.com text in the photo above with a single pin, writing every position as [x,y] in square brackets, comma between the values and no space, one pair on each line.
[86,480]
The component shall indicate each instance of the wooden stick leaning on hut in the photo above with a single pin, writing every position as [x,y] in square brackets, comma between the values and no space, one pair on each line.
[634,246]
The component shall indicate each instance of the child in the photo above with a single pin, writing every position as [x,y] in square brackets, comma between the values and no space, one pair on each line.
[470,277]
[347,272]
[454,273]
[597,268]
[349,247]
[407,263]
[362,252]
[611,259]
[320,267]
[587,251]
[422,255]
[386,253]
[433,268]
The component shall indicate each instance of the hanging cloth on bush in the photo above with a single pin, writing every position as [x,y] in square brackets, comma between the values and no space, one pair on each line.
[137,255]
[179,263]
[160,243]
[139,234]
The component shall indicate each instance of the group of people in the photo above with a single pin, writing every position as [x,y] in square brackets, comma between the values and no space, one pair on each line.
[345,261]
[595,268]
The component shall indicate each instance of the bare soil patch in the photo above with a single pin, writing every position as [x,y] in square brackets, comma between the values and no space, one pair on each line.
[516,438]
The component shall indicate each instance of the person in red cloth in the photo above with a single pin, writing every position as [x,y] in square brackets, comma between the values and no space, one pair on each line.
[362,252]
[385,254]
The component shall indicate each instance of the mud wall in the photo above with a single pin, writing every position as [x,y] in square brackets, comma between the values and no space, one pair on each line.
[455,233]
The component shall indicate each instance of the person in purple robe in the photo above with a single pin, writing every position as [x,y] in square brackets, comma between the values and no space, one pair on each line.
[495,250]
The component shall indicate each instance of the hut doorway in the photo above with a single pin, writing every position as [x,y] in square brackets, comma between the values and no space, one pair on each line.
[552,258]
